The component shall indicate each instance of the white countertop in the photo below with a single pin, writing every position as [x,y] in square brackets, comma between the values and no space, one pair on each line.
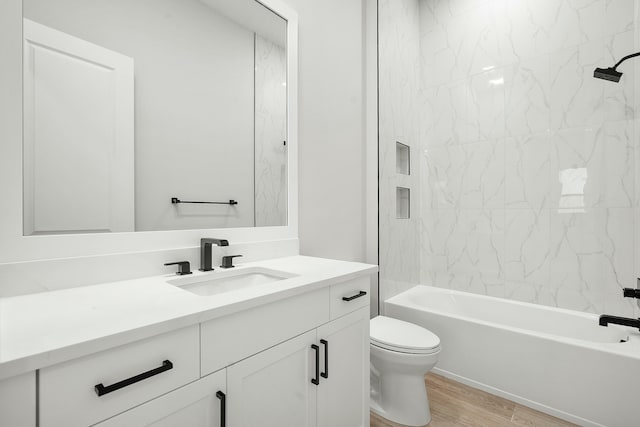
[43,329]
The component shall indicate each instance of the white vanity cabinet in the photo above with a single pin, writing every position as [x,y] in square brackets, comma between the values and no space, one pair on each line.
[273,388]
[199,404]
[90,389]
[299,361]
[319,378]
[343,396]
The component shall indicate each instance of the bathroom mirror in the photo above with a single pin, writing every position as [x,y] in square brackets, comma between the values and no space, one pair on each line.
[149,115]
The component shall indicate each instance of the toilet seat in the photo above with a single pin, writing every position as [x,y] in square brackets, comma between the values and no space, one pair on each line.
[400,336]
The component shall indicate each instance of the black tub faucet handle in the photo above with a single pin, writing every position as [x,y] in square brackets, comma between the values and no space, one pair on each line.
[631,293]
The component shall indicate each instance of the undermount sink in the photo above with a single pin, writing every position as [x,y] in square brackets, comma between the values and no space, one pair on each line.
[220,282]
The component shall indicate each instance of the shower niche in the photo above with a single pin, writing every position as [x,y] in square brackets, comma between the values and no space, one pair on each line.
[403,202]
[403,159]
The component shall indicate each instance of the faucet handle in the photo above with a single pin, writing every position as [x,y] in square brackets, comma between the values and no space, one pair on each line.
[631,293]
[227,261]
[183,267]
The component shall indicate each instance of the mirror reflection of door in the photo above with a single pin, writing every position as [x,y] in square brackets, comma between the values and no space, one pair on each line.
[78,135]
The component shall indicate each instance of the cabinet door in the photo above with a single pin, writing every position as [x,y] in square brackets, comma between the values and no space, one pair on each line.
[343,394]
[18,401]
[273,388]
[195,405]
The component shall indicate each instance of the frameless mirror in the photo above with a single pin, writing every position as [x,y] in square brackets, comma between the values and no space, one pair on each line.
[143,115]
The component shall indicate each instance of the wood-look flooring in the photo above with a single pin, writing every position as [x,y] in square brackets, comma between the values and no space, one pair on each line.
[455,404]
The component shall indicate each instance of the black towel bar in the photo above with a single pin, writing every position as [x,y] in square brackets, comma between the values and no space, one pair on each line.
[175,201]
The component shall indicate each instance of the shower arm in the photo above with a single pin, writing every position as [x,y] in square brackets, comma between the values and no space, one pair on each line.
[633,55]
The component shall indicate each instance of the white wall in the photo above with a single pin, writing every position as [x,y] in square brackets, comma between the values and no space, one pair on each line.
[332,152]
[194,103]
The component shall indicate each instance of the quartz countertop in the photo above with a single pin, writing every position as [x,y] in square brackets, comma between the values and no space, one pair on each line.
[44,329]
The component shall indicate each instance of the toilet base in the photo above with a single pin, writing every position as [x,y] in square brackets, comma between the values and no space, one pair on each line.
[398,391]
[406,398]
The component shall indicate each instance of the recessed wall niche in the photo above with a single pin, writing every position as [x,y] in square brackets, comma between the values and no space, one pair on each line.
[403,202]
[403,159]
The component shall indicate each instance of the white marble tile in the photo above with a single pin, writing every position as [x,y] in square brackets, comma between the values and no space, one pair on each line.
[484,35]
[527,87]
[445,10]
[593,167]
[482,183]
[428,18]
[576,98]
[468,242]
[527,26]
[433,44]
[485,106]
[527,248]
[452,58]
[470,176]
[527,292]
[591,254]
[576,22]
[619,98]
[475,284]
[527,171]
[619,16]
[442,173]
[449,123]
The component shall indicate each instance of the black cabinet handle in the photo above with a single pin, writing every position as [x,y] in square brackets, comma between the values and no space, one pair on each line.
[325,374]
[316,380]
[223,408]
[101,390]
[358,295]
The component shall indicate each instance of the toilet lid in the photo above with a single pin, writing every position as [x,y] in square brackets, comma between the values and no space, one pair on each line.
[394,334]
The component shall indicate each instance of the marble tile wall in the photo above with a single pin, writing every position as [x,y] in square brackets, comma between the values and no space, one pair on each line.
[399,112]
[529,168]
[270,133]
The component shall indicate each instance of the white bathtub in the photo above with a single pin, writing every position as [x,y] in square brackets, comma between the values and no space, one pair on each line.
[557,361]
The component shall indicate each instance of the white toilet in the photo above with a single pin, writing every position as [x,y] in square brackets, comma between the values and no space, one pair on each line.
[401,354]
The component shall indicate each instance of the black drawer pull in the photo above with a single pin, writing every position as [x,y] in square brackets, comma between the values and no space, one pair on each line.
[316,380]
[325,374]
[358,295]
[223,408]
[101,390]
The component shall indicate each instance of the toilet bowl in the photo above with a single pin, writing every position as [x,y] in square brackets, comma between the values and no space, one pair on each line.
[401,354]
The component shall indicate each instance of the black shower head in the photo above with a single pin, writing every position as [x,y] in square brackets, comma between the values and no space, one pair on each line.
[607,74]
[611,73]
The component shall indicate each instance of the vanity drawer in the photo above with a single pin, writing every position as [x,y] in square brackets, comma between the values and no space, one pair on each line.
[232,338]
[348,296]
[154,366]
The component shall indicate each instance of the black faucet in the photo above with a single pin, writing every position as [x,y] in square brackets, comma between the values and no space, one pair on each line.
[205,252]
[605,319]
